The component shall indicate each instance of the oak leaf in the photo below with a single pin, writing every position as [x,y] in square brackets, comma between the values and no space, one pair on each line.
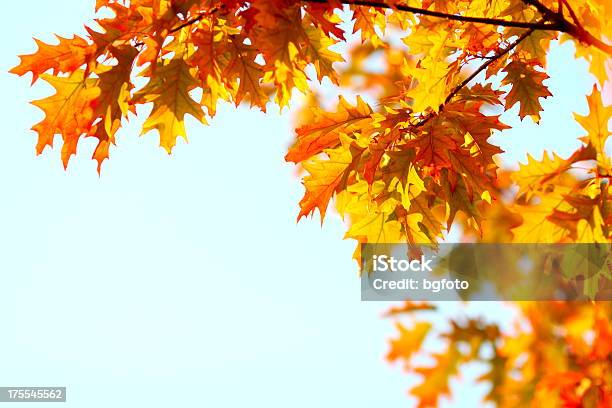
[527,88]
[325,130]
[69,112]
[596,124]
[169,92]
[67,56]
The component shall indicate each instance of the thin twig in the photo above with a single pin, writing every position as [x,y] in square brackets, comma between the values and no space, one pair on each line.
[467,80]
[484,66]
[194,20]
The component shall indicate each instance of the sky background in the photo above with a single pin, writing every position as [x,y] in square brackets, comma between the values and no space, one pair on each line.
[185,280]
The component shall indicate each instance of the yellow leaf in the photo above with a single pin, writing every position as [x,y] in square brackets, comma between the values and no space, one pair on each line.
[169,92]
[434,73]
[68,112]
[411,187]
[376,228]
[537,174]
[597,59]
[596,123]
[324,131]
[408,342]
[326,176]
[245,73]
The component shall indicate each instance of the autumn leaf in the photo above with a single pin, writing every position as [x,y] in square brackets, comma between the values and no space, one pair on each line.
[436,379]
[171,102]
[596,124]
[68,55]
[536,174]
[527,88]
[325,130]
[113,104]
[408,342]
[324,17]
[242,66]
[376,228]
[318,52]
[434,73]
[326,176]
[69,112]
[367,21]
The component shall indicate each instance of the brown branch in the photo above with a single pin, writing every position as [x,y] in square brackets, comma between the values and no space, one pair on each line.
[575,30]
[552,20]
[542,9]
[570,10]
[194,20]
[188,23]
[457,17]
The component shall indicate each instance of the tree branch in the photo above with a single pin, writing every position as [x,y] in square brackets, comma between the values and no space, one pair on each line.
[194,20]
[569,9]
[457,17]
[552,20]
[575,30]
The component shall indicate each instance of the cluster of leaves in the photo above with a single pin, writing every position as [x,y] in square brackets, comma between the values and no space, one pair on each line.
[401,171]
[577,208]
[226,50]
[560,356]
[405,160]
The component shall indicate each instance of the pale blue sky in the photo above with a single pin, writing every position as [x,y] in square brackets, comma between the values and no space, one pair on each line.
[184,280]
